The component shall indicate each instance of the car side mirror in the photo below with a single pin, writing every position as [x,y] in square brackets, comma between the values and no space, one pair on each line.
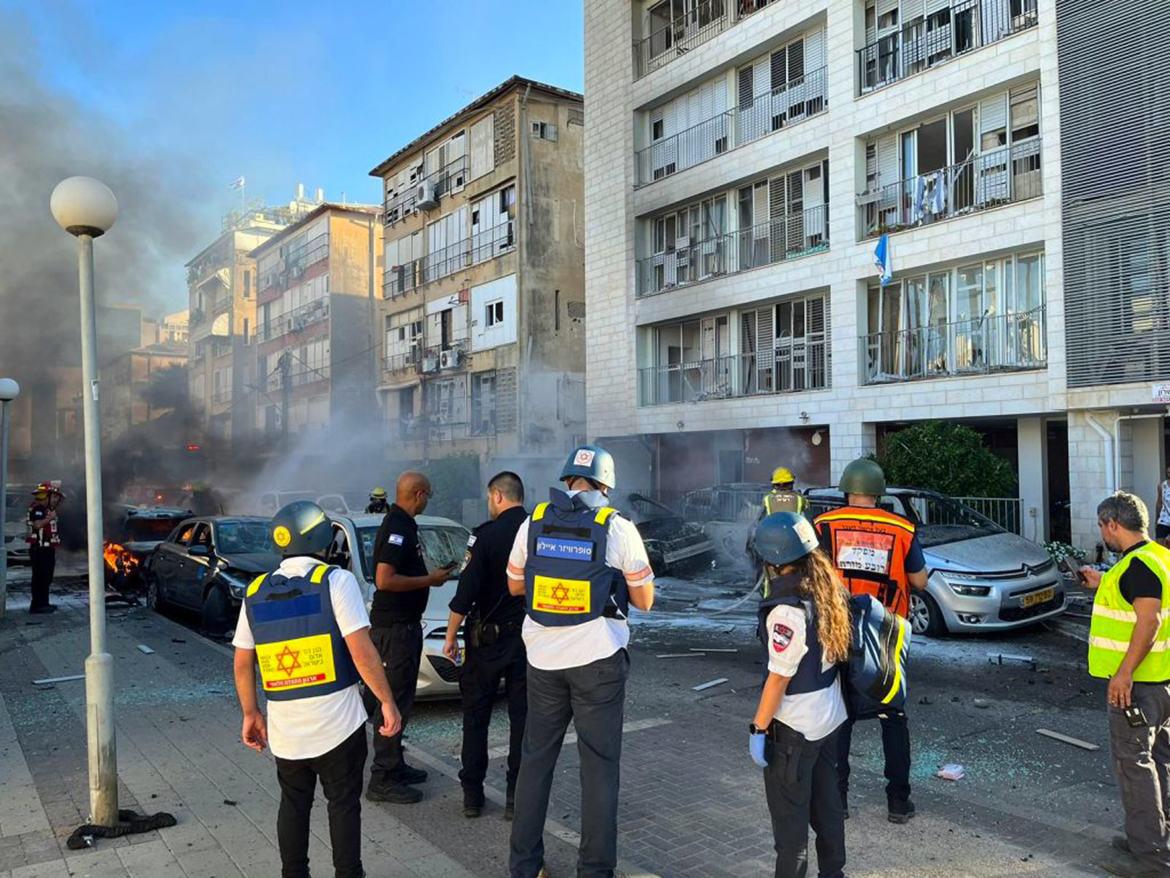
[199,551]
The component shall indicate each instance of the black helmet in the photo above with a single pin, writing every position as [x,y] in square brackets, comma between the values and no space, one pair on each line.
[784,537]
[301,528]
[863,476]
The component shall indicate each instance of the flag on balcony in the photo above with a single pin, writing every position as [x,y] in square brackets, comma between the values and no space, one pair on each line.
[883,260]
[238,183]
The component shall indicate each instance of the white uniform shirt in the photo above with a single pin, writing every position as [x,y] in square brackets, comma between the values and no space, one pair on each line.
[307,727]
[813,714]
[554,648]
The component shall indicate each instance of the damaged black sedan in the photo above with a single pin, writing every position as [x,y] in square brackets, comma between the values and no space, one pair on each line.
[673,544]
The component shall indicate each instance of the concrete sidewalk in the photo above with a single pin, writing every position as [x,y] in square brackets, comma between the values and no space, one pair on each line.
[178,751]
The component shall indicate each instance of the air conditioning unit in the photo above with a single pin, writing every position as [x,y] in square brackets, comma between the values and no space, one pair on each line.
[425,196]
[298,323]
[430,363]
[450,359]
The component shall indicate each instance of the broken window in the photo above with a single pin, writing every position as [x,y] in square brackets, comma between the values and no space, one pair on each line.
[495,312]
[492,230]
[483,403]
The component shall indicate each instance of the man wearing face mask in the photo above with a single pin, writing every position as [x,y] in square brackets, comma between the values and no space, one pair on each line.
[579,566]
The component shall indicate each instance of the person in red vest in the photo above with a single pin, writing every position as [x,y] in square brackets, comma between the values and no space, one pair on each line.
[877,553]
[44,536]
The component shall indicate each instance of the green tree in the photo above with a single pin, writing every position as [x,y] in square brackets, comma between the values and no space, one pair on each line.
[945,457]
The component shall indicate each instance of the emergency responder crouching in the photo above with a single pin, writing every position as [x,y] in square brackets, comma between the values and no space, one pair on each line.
[378,504]
[494,646]
[579,565]
[805,631]
[877,553]
[44,536]
[307,626]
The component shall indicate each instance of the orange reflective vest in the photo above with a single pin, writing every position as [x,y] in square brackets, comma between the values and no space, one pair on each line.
[869,548]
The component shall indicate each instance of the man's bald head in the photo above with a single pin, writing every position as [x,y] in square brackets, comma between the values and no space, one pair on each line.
[412,492]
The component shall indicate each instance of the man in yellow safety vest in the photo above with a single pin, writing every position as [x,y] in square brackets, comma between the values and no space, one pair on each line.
[1129,644]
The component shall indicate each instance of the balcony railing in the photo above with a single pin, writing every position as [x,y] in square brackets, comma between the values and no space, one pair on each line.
[939,37]
[992,179]
[792,102]
[992,343]
[1004,511]
[789,237]
[451,176]
[702,20]
[411,361]
[294,321]
[794,366]
[480,247]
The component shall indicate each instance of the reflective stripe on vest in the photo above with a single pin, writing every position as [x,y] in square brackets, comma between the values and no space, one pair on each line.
[567,580]
[869,548]
[299,646]
[783,501]
[1114,620]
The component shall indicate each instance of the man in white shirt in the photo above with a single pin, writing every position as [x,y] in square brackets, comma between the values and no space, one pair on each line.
[306,625]
[579,566]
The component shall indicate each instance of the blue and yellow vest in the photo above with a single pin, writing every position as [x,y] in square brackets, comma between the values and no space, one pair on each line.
[299,647]
[809,675]
[567,581]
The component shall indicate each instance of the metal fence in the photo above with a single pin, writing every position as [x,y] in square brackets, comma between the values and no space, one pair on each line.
[788,237]
[981,182]
[451,176]
[992,343]
[700,22]
[294,321]
[1004,511]
[940,36]
[792,102]
[480,247]
[794,365]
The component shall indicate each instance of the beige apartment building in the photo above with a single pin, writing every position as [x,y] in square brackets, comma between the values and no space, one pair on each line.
[316,339]
[484,281]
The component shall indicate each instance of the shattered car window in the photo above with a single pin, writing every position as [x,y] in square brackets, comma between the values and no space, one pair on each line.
[243,537]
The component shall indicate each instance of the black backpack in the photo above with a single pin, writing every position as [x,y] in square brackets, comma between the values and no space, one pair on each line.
[875,675]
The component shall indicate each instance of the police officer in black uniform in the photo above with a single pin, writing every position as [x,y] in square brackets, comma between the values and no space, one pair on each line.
[494,646]
[403,586]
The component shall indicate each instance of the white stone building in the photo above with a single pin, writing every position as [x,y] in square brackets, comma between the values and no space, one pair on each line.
[740,165]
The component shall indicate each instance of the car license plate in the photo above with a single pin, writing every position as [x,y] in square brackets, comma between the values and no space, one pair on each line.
[1037,597]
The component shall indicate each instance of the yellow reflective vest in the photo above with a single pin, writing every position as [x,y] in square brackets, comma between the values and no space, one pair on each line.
[1114,619]
[783,501]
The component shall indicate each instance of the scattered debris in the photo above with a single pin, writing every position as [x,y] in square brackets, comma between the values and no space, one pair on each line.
[998,658]
[231,802]
[47,680]
[1076,742]
[144,649]
[982,703]
[680,655]
[712,649]
[177,640]
[709,684]
[952,771]
[925,700]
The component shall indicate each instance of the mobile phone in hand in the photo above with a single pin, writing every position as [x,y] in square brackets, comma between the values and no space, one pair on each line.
[1070,570]
[1135,717]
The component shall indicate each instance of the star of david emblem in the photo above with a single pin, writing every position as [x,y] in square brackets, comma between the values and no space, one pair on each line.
[287,660]
[560,593]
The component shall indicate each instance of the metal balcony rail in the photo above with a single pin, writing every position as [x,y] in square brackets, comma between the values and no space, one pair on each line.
[700,22]
[939,37]
[789,237]
[410,361]
[220,397]
[298,376]
[451,176]
[991,179]
[786,105]
[480,247]
[1004,511]
[309,253]
[294,321]
[991,343]
[794,365]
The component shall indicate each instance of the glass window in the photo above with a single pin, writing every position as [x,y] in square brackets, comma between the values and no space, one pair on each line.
[1029,284]
[969,293]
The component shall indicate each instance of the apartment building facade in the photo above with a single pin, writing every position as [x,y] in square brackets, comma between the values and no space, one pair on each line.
[316,342]
[484,237]
[743,161]
[221,293]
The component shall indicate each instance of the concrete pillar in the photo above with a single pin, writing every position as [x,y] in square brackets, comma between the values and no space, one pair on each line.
[1091,472]
[1148,461]
[849,440]
[1033,470]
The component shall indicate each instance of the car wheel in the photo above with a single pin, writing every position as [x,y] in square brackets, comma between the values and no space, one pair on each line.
[154,598]
[925,616]
[215,613]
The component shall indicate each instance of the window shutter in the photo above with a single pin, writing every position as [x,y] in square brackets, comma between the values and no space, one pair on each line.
[550,132]
[762,77]
[887,159]
[911,10]
[796,60]
[992,116]
[933,6]
[814,51]
[779,68]
[885,7]
[482,146]
[745,90]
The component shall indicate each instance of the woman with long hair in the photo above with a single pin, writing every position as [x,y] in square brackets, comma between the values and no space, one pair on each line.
[805,628]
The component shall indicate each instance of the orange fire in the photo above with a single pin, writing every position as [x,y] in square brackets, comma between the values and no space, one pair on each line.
[118,558]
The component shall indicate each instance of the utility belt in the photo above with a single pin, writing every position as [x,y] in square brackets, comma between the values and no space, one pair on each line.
[787,743]
[481,633]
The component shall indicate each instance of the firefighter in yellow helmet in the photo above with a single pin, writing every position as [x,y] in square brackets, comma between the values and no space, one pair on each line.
[783,496]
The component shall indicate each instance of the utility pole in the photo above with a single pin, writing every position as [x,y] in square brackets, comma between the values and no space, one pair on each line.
[284,364]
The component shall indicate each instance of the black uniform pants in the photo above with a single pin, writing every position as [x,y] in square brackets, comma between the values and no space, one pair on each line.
[895,744]
[43,560]
[478,685]
[340,771]
[593,697]
[801,785]
[400,646]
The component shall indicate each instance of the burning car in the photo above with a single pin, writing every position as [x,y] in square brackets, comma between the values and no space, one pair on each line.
[672,543]
[135,534]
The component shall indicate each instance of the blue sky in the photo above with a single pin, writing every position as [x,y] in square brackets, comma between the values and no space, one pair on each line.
[314,92]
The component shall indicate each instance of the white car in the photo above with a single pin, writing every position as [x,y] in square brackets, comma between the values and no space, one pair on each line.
[443,542]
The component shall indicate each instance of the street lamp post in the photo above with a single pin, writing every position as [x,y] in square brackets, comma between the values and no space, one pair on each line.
[86,208]
[9,390]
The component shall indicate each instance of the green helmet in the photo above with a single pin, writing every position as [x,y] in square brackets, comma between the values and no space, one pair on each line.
[301,528]
[784,537]
[863,476]
[591,462]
